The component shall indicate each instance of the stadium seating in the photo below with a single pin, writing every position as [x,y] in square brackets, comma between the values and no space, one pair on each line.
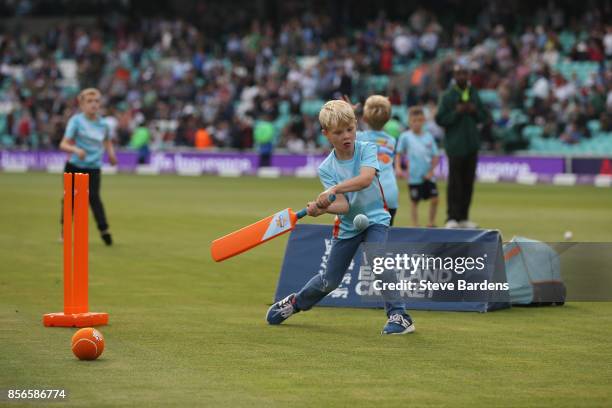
[582,69]
[416,76]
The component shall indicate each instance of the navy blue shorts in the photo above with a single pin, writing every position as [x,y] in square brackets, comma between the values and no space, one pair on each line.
[423,191]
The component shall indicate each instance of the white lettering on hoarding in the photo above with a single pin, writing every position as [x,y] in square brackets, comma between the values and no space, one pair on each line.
[205,164]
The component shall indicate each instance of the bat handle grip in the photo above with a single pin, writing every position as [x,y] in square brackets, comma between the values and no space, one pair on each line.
[303,212]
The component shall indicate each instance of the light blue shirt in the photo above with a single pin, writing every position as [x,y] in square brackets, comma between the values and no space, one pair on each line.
[420,150]
[386,154]
[368,201]
[88,135]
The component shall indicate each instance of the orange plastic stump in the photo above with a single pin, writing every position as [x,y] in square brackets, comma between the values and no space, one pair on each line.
[75,319]
[76,247]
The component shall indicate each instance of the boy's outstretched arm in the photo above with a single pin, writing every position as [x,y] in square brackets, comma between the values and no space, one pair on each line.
[363,180]
[339,206]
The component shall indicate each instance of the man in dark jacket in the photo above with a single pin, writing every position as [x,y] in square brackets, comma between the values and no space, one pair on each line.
[459,113]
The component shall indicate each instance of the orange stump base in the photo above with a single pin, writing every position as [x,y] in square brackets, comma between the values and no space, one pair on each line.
[75,319]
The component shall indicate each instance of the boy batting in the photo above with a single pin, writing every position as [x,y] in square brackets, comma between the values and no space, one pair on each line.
[350,173]
[87,137]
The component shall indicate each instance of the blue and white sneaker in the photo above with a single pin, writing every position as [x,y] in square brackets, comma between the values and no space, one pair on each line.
[281,310]
[398,324]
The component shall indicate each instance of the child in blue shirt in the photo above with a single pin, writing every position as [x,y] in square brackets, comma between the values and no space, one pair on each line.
[350,172]
[376,113]
[421,154]
[87,137]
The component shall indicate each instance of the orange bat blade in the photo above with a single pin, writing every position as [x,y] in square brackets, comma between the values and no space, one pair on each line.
[255,234]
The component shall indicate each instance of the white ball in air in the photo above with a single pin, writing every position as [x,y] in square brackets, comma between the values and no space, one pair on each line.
[361,222]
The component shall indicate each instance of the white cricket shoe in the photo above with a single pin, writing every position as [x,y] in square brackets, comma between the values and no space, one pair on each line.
[451,224]
[467,224]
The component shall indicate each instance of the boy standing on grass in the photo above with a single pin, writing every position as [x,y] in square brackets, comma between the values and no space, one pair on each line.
[376,113]
[421,153]
[350,172]
[87,137]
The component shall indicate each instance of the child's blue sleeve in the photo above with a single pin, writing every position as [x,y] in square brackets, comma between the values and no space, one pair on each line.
[71,129]
[369,156]
[326,178]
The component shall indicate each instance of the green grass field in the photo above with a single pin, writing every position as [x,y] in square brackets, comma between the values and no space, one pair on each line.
[185,331]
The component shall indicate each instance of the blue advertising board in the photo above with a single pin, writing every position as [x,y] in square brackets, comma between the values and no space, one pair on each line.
[309,247]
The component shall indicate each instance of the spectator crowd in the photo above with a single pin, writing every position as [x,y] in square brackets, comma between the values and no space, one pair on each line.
[188,88]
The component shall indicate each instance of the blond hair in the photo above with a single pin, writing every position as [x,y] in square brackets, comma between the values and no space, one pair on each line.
[88,91]
[336,114]
[377,111]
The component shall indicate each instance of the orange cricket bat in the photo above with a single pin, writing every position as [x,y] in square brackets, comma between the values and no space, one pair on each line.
[255,234]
